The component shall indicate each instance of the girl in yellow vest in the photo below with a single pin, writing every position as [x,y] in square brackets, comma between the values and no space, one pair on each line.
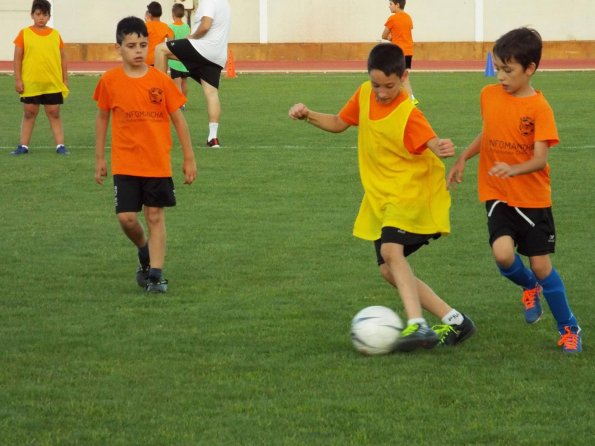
[406,202]
[40,76]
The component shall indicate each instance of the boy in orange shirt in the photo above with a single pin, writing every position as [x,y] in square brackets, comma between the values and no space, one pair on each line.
[158,31]
[406,203]
[398,29]
[41,76]
[141,101]
[514,182]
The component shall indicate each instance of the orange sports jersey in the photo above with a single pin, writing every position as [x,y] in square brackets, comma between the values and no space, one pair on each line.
[417,131]
[511,126]
[401,26]
[140,107]
[158,32]
[20,38]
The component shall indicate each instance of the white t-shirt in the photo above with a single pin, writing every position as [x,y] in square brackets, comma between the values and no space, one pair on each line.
[213,45]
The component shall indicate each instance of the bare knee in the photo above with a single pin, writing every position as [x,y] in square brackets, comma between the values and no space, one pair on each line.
[153,216]
[30,113]
[53,112]
[127,220]
[541,266]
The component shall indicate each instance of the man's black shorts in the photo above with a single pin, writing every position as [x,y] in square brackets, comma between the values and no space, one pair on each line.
[411,242]
[175,74]
[44,99]
[408,60]
[199,67]
[532,229]
[131,193]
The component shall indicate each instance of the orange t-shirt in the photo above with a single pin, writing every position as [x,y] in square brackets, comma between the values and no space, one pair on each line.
[401,25]
[140,107]
[417,130]
[511,126]
[19,40]
[158,32]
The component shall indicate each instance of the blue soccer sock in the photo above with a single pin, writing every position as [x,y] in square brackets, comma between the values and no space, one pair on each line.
[518,273]
[555,294]
[143,255]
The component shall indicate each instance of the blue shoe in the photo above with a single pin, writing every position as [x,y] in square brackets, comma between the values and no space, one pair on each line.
[142,275]
[571,340]
[532,303]
[62,150]
[20,150]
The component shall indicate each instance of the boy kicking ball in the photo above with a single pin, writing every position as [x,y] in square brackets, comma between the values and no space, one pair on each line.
[141,101]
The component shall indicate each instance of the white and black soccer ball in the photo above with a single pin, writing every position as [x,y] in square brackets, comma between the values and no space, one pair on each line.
[375,330]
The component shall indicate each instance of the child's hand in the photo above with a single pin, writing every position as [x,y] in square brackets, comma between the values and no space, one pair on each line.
[19,87]
[298,111]
[189,170]
[455,175]
[100,171]
[501,170]
[446,148]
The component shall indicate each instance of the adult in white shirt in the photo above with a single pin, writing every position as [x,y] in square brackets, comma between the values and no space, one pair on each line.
[204,53]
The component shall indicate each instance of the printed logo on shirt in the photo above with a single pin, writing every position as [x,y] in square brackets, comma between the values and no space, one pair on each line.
[527,126]
[156,95]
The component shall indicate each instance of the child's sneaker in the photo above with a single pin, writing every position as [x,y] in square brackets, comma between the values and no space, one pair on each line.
[415,336]
[156,287]
[213,143]
[455,334]
[62,150]
[571,340]
[532,304]
[142,275]
[20,150]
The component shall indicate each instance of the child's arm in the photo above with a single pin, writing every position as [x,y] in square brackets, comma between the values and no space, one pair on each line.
[101,123]
[386,35]
[538,162]
[189,168]
[443,148]
[64,66]
[18,69]
[455,175]
[324,121]
[203,28]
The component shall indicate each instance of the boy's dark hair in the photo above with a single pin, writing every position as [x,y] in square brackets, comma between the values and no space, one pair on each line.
[41,5]
[388,58]
[401,3]
[178,10]
[522,44]
[130,25]
[154,8]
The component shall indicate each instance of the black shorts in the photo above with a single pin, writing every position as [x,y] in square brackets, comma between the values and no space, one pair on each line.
[131,193]
[408,60]
[44,99]
[175,74]
[410,241]
[532,229]
[199,68]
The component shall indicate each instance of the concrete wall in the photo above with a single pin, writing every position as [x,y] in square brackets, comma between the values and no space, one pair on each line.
[359,22]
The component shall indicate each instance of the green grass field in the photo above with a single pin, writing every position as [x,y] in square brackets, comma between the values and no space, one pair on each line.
[251,345]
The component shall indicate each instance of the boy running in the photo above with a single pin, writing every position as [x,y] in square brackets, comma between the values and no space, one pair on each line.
[141,101]
[406,203]
[514,182]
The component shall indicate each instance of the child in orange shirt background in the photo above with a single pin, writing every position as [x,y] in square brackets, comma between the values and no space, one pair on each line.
[141,100]
[398,29]
[158,31]
[41,76]
[518,132]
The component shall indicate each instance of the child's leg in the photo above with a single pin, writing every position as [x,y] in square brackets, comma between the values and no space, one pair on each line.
[510,264]
[554,291]
[53,114]
[132,228]
[155,218]
[402,278]
[178,82]
[30,112]
[184,86]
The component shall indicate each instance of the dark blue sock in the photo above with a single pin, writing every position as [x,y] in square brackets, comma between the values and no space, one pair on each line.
[155,274]
[143,255]
[519,274]
[555,295]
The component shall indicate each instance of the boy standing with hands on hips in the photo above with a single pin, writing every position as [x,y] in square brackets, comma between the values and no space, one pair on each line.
[141,101]
[514,182]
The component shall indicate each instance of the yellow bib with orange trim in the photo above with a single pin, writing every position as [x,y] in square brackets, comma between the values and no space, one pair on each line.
[42,64]
[401,189]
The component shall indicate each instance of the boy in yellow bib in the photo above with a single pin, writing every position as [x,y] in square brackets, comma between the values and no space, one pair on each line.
[40,76]
[406,202]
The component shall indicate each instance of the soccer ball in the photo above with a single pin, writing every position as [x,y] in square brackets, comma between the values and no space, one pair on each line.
[375,330]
